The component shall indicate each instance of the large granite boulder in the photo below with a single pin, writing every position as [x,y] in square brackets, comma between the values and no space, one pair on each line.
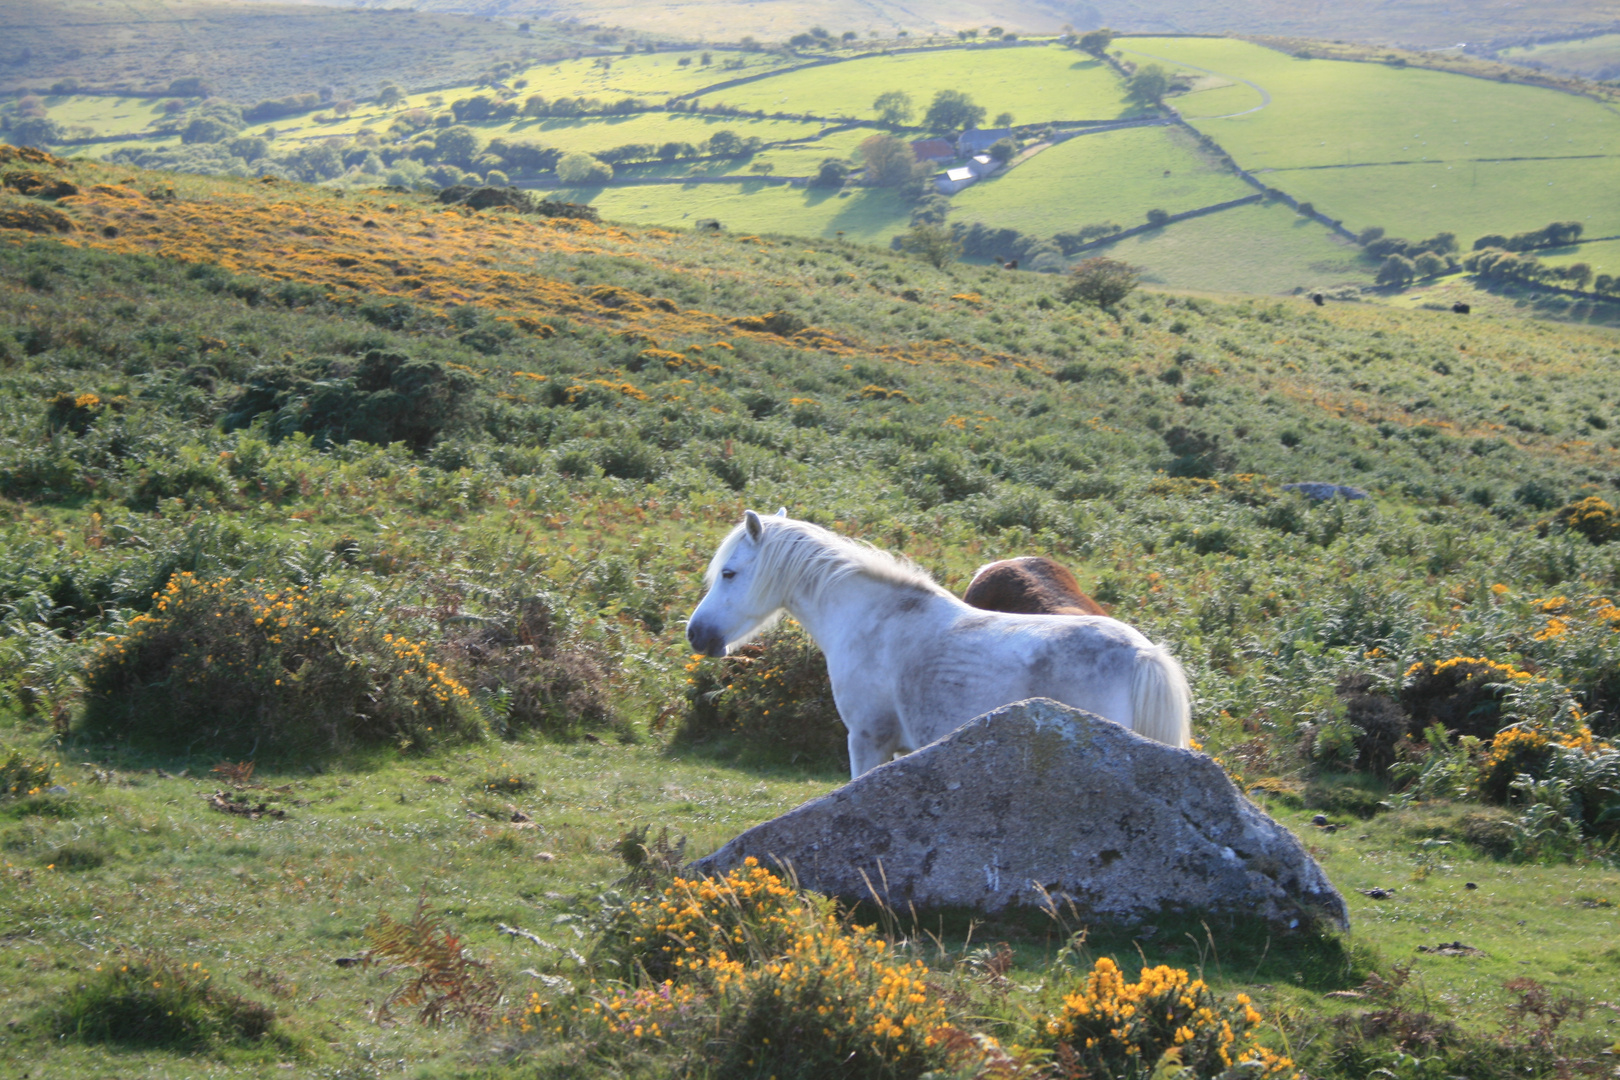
[1038,799]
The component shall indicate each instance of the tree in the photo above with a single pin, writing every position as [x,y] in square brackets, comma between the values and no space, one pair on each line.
[1443,243]
[1577,274]
[206,129]
[1100,281]
[1003,119]
[889,161]
[1148,85]
[38,131]
[248,147]
[1428,265]
[952,110]
[456,145]
[850,35]
[934,244]
[1396,270]
[1003,150]
[1096,42]
[583,170]
[762,168]
[831,174]
[894,107]
[724,143]
[706,59]
[1158,218]
[390,96]
[1369,234]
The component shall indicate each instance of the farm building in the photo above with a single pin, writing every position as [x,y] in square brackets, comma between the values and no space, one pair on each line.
[983,165]
[973,141]
[933,150]
[953,180]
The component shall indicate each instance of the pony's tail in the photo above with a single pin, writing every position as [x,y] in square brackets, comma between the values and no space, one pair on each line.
[1161,703]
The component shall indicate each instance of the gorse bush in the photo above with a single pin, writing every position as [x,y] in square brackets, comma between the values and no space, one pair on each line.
[1166,1020]
[771,698]
[22,774]
[229,664]
[783,986]
[153,1000]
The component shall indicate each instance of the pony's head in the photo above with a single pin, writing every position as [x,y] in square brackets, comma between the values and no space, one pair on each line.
[740,601]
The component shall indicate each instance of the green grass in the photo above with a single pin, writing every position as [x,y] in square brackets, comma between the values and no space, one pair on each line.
[105,115]
[1034,84]
[1261,248]
[1113,176]
[863,215]
[1603,257]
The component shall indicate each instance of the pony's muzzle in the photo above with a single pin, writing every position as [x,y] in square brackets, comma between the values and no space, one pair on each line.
[705,640]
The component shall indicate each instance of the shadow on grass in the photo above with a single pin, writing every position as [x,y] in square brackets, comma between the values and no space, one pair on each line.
[1223,948]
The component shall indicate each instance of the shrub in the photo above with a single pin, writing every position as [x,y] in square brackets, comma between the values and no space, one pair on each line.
[227,664]
[1100,281]
[389,398]
[151,1000]
[773,698]
[1463,693]
[534,676]
[22,775]
[792,990]
[1593,517]
[1165,1019]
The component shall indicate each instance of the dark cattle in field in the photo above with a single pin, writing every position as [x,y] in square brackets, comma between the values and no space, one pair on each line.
[1461,308]
[1318,299]
[1010,264]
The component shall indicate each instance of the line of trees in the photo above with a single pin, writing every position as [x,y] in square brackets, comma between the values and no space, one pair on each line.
[1497,264]
[1553,234]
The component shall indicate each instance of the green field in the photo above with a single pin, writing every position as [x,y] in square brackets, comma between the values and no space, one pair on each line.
[1603,256]
[1113,176]
[652,76]
[1455,137]
[1035,84]
[1468,198]
[1596,57]
[1261,248]
[864,215]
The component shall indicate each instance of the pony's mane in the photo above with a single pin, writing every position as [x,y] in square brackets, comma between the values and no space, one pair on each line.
[795,555]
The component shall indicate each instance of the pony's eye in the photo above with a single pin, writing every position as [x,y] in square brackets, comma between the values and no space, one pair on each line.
[728,574]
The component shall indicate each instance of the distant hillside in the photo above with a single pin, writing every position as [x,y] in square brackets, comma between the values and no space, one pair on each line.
[246,52]
[1419,23]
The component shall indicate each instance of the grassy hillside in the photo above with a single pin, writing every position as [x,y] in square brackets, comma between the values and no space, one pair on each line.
[196,378]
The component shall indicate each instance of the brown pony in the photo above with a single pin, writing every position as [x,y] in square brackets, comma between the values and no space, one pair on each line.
[1029,585]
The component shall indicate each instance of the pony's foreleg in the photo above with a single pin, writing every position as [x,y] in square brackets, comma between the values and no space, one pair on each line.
[872,743]
[1161,703]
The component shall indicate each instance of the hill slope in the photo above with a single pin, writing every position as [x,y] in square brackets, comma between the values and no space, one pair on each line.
[196,380]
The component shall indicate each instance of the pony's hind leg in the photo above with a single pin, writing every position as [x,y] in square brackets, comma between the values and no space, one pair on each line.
[872,743]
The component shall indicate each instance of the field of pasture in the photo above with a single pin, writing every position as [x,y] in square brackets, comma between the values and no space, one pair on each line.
[1414,151]
[1036,83]
[492,453]
[1113,176]
[1257,248]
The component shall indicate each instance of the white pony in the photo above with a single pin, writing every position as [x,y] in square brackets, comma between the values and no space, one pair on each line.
[909,661]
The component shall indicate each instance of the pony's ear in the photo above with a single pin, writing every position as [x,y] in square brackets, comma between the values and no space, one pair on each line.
[755,526]
[782,512]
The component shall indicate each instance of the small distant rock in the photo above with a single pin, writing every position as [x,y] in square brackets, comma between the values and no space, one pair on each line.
[1313,490]
[1451,948]
[1037,799]
[1319,820]
[1377,894]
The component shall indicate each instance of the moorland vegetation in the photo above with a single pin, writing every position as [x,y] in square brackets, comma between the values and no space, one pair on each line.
[348,536]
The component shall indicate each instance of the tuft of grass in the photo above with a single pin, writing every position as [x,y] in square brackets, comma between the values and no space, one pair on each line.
[151,1000]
